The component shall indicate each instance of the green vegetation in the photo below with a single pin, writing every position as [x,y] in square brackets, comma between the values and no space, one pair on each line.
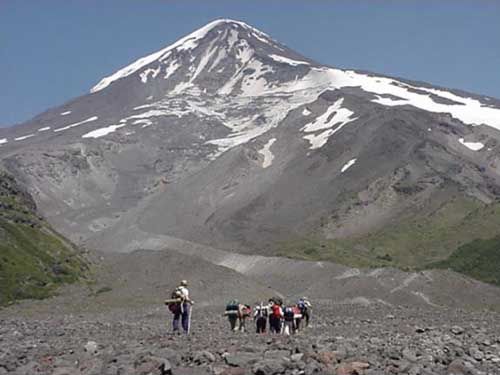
[417,241]
[34,260]
[420,238]
[479,259]
[318,249]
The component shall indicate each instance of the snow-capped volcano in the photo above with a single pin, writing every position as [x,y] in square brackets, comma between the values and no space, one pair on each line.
[231,64]
[221,57]
[230,57]
[228,137]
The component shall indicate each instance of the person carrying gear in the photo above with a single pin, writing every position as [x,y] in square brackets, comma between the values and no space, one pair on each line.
[297,316]
[232,312]
[181,307]
[275,317]
[260,317]
[288,320]
[305,309]
[244,312]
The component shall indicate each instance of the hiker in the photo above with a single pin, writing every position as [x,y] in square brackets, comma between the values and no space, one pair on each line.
[275,316]
[260,317]
[245,311]
[288,320]
[305,309]
[297,317]
[180,306]
[232,312]
[237,313]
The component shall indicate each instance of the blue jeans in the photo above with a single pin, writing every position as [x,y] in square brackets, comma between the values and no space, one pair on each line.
[182,315]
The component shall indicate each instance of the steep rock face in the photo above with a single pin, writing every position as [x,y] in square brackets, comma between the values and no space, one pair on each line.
[230,139]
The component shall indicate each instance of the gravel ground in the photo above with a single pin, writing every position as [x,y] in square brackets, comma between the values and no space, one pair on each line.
[342,339]
[120,326]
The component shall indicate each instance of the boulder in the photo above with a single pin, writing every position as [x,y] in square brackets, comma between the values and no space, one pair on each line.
[268,367]
[457,367]
[239,359]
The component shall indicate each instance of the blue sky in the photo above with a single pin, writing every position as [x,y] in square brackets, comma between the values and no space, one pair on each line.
[54,50]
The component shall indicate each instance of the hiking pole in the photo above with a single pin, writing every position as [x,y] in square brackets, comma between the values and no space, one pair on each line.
[190,313]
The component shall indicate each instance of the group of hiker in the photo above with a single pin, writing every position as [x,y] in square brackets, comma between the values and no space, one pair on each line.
[282,319]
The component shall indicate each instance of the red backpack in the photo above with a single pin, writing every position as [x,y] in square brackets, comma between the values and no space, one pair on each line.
[276,311]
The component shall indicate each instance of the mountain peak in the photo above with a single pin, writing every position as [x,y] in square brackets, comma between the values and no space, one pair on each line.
[188,42]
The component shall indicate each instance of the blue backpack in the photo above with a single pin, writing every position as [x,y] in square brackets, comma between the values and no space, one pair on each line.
[302,306]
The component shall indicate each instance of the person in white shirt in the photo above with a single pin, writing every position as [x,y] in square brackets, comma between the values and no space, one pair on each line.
[261,312]
[184,313]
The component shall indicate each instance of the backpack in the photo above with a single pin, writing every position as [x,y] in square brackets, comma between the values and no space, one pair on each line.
[177,293]
[276,311]
[174,308]
[288,313]
[233,305]
[302,306]
[246,311]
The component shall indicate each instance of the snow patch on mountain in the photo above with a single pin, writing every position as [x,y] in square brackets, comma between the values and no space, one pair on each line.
[468,110]
[268,113]
[286,60]
[266,152]
[144,122]
[232,39]
[333,116]
[171,68]
[65,113]
[44,129]
[154,72]
[153,113]
[348,165]
[317,140]
[211,50]
[90,119]
[306,112]
[181,87]
[244,55]
[245,52]
[221,54]
[175,107]
[255,84]
[24,137]
[102,131]
[3,140]
[474,146]
[263,40]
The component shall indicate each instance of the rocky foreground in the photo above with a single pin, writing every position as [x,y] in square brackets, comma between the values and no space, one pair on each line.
[343,339]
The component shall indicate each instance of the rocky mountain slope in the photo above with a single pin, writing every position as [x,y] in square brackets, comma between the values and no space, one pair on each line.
[230,139]
[34,259]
